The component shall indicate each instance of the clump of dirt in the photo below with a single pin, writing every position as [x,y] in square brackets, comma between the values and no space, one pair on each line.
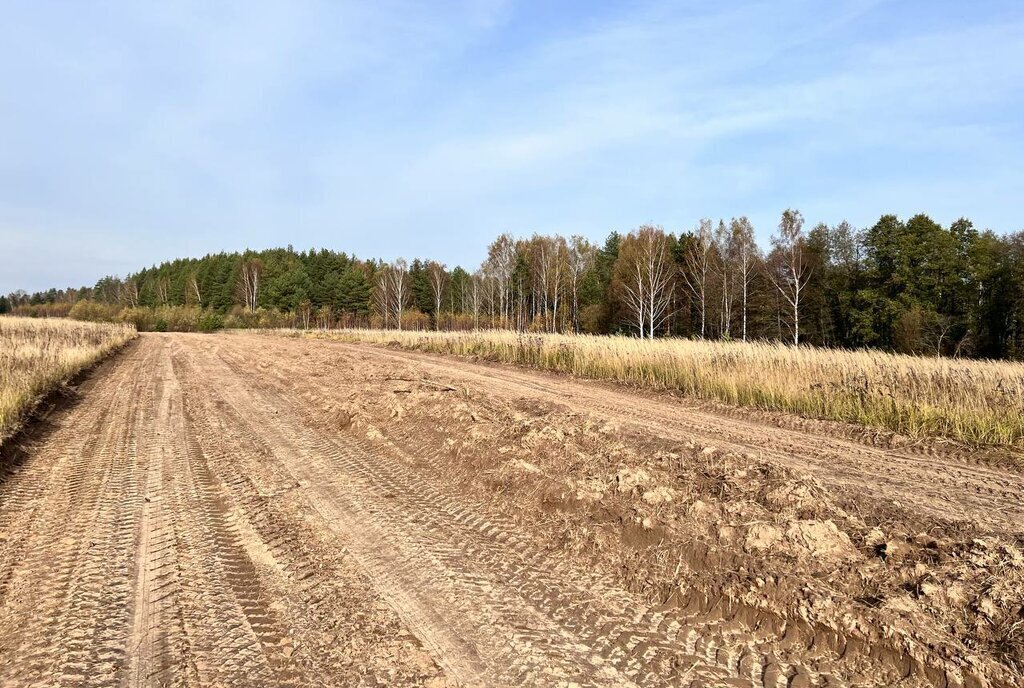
[659,495]
[821,540]
[629,479]
[680,522]
[342,419]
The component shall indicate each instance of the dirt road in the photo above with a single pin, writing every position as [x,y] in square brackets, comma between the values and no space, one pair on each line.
[249,510]
[945,484]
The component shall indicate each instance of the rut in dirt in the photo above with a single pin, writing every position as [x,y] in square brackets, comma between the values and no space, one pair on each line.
[187,524]
[945,484]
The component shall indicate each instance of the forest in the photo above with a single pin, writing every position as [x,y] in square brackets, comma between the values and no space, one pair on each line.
[910,286]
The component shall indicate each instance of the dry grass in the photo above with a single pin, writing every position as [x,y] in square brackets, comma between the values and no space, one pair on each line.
[979,402]
[36,355]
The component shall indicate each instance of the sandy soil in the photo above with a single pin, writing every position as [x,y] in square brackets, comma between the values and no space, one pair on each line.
[252,510]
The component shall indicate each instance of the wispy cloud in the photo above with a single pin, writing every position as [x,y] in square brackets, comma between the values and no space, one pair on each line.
[398,127]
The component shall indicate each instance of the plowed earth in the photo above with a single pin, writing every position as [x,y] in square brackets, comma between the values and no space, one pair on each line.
[252,510]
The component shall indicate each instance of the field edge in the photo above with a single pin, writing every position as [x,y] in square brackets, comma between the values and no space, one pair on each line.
[57,395]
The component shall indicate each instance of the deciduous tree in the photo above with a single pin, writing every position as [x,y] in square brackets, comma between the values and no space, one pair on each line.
[249,283]
[697,265]
[644,271]
[437,278]
[791,270]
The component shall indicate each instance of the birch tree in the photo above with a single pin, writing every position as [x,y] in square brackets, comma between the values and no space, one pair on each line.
[476,294]
[558,267]
[397,275]
[747,255]
[581,259]
[644,271]
[163,287]
[304,313]
[192,293]
[381,295]
[501,258]
[629,274]
[791,269]
[724,266]
[437,277]
[539,252]
[548,263]
[697,268]
[249,283]
[130,293]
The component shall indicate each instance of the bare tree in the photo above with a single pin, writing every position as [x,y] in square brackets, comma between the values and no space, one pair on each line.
[538,253]
[249,283]
[501,258]
[659,276]
[324,317]
[192,293]
[130,293]
[304,313]
[548,267]
[746,254]
[724,266]
[581,258]
[629,274]
[489,287]
[477,292]
[792,270]
[381,295]
[162,288]
[558,266]
[391,292]
[437,276]
[697,268]
[398,277]
[644,272]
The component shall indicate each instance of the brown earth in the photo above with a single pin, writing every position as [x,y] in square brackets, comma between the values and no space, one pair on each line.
[251,510]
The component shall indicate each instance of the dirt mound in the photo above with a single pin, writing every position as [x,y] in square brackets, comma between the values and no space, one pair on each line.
[692,523]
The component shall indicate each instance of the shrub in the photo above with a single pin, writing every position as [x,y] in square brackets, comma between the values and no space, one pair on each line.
[95,312]
[210,321]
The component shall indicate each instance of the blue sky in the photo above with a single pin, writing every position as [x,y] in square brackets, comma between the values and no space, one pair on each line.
[136,132]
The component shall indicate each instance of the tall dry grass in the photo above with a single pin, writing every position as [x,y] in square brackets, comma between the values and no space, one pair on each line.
[980,402]
[37,354]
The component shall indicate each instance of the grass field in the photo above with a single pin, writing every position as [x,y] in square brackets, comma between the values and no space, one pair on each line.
[37,354]
[979,402]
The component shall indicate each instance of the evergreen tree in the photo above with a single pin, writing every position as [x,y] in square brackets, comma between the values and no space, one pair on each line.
[419,286]
[353,294]
[911,286]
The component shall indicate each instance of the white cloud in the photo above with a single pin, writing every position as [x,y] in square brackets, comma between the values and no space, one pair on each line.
[214,125]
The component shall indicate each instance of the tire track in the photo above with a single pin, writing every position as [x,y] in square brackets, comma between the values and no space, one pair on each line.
[388,500]
[402,575]
[65,614]
[160,653]
[942,486]
[188,523]
[298,568]
[302,376]
[231,637]
[138,548]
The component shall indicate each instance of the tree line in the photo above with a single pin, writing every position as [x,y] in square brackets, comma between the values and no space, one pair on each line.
[912,286]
